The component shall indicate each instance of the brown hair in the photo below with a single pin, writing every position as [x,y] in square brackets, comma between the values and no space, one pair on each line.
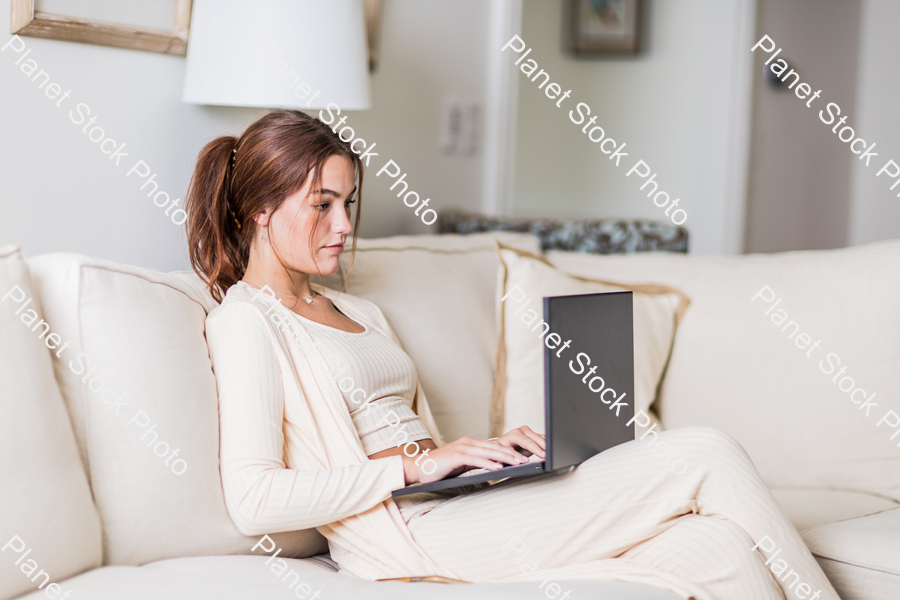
[272,160]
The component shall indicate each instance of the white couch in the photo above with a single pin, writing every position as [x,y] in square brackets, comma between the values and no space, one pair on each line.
[91,495]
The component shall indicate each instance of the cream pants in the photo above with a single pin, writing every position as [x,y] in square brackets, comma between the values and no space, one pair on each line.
[624,515]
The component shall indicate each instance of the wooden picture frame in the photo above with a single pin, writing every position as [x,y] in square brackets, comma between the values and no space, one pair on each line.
[603,26]
[26,21]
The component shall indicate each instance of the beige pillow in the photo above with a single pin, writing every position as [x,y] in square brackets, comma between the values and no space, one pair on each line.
[48,522]
[518,396]
[139,384]
[437,292]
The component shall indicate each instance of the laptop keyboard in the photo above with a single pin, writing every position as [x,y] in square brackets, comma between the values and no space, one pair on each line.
[531,459]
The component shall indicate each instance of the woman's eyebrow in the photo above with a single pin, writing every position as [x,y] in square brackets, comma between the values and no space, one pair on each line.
[327,192]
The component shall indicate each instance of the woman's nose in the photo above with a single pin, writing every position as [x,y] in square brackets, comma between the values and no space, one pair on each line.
[341,223]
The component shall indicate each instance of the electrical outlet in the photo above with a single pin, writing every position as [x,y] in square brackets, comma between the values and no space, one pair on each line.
[450,126]
[469,127]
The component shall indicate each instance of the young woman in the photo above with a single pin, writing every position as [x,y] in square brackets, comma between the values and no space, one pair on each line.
[269,212]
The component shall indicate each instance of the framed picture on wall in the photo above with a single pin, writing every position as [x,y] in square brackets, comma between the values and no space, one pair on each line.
[149,25]
[603,26]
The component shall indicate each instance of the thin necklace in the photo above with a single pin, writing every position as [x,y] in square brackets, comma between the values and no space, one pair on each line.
[308,299]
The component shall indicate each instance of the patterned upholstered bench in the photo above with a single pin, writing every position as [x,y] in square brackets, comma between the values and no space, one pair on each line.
[602,236]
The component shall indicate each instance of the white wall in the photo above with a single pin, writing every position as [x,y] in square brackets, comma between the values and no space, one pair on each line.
[800,173]
[60,194]
[430,50]
[874,209]
[674,105]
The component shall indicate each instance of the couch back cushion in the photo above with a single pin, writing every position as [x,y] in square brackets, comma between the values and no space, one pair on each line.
[437,292]
[138,382]
[47,515]
[740,365]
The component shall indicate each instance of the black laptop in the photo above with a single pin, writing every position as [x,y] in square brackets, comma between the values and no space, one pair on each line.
[578,424]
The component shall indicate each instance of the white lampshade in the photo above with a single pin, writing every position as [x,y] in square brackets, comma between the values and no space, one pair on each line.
[278,53]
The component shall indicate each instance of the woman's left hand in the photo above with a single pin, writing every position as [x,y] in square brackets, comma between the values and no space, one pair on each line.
[523,438]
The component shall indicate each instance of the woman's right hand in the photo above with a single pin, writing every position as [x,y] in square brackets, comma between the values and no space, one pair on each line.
[458,457]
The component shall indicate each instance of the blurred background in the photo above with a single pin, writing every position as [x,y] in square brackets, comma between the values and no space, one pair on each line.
[754,168]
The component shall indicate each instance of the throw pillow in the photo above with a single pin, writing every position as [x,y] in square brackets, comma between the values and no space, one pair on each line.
[518,395]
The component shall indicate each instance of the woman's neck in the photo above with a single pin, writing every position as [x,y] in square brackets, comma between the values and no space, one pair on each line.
[292,284]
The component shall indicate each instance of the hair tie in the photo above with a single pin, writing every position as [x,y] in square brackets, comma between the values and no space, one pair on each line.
[234,216]
[227,201]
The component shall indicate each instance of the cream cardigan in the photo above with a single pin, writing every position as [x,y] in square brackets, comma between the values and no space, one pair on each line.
[290,455]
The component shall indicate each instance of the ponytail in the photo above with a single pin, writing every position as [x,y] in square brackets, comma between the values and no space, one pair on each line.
[218,246]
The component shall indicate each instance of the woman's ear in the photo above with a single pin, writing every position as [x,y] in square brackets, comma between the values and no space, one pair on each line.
[262,219]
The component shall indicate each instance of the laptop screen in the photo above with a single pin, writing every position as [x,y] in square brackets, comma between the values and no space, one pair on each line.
[589,383]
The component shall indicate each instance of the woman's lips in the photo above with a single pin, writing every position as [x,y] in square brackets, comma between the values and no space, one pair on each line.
[338,248]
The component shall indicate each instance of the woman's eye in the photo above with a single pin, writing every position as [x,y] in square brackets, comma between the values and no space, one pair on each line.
[323,207]
[349,202]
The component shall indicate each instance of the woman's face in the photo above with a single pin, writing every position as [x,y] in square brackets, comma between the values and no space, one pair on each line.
[292,226]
